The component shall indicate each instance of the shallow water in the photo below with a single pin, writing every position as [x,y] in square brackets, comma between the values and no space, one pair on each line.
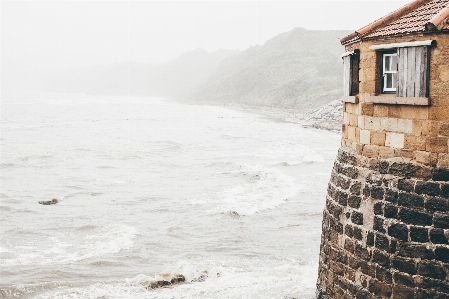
[146,187]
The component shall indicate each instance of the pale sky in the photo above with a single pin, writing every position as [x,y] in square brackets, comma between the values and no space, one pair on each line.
[55,35]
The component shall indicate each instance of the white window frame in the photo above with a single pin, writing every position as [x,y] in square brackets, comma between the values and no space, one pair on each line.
[384,72]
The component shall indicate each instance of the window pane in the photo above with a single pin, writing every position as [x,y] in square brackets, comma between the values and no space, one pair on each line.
[393,77]
[394,63]
[389,79]
[387,62]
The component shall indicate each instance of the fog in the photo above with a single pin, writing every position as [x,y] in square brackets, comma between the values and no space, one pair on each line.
[43,38]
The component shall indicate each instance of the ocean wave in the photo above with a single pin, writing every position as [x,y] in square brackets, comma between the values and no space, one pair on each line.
[206,279]
[262,188]
[101,241]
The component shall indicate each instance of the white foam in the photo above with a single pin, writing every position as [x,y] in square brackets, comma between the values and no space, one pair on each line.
[223,280]
[263,188]
[101,241]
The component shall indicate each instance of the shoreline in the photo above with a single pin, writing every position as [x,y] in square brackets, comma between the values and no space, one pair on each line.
[280,115]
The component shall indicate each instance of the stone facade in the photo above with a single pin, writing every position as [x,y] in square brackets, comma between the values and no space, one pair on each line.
[386,220]
[419,133]
[385,230]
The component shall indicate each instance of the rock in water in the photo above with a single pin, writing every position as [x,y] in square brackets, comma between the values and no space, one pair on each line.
[164,281]
[49,202]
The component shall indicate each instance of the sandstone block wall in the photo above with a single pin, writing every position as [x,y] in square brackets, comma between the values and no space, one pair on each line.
[385,230]
[418,133]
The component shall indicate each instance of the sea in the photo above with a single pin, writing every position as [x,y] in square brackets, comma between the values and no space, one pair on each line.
[148,188]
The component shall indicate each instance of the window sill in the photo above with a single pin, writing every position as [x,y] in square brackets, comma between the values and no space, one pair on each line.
[350,99]
[393,100]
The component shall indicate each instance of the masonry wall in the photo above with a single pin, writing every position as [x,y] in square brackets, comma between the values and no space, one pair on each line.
[412,132]
[386,221]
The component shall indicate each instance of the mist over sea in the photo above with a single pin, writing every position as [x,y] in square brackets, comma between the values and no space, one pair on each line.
[230,199]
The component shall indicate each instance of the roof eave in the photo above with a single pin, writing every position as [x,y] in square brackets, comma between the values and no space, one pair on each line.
[393,15]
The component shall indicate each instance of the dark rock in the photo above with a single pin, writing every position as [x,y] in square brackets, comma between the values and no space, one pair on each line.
[49,202]
[428,188]
[437,236]
[441,174]
[410,200]
[441,220]
[415,217]
[357,218]
[406,185]
[398,231]
[419,234]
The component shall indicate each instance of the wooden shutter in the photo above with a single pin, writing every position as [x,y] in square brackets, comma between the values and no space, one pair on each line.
[413,72]
[347,75]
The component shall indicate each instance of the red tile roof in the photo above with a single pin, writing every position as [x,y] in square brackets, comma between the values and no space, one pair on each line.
[417,16]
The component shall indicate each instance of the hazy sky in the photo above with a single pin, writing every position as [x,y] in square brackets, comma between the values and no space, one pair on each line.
[53,35]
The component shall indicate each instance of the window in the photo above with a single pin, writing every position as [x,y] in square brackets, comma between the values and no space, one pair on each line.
[389,72]
[405,73]
[350,76]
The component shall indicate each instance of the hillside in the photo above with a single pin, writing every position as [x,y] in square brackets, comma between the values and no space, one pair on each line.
[299,69]
[179,77]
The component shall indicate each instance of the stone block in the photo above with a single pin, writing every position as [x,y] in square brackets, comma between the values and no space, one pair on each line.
[395,140]
[371,151]
[361,122]
[437,144]
[351,133]
[441,220]
[429,128]
[410,200]
[366,109]
[419,234]
[408,112]
[365,136]
[380,110]
[443,129]
[386,152]
[439,113]
[422,157]
[398,231]
[415,142]
[351,108]
[389,124]
[437,204]
[442,254]
[345,118]
[405,126]
[404,153]
[410,216]
[431,269]
[344,131]
[357,218]
[402,292]
[404,265]
[443,71]
[353,119]
[417,251]
[390,211]
[406,185]
[377,138]
[372,123]
[380,289]
[440,174]
[416,127]
[427,188]
[437,236]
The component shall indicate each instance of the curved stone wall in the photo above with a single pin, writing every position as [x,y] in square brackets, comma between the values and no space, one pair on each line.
[385,230]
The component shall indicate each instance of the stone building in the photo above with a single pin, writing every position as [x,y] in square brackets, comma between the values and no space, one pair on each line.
[386,221]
